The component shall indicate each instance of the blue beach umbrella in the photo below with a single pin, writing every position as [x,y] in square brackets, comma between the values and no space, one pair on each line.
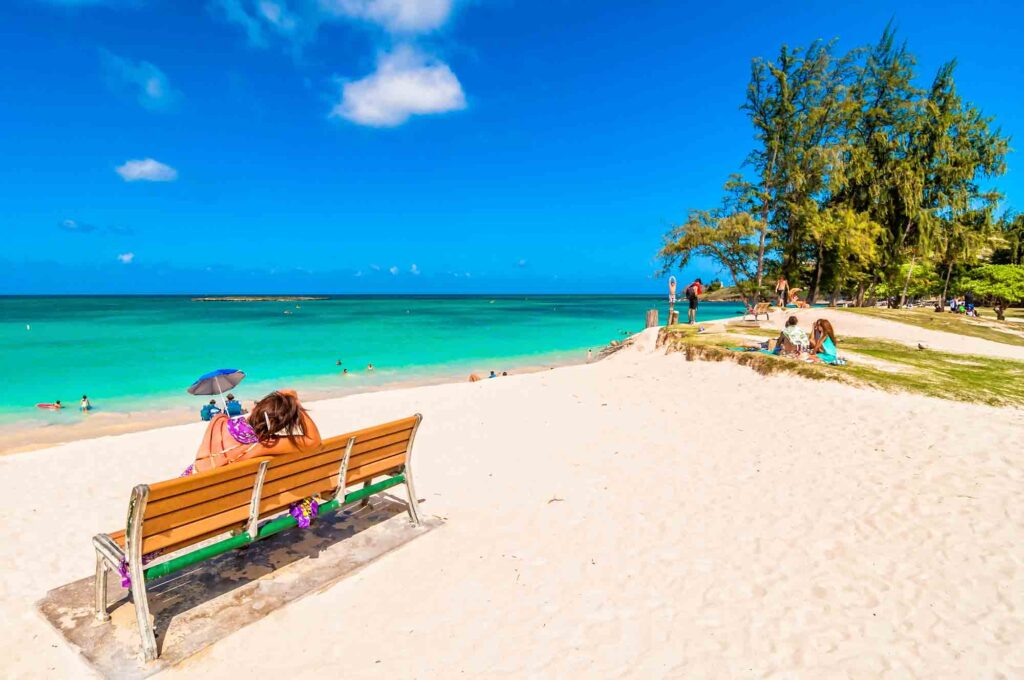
[217,382]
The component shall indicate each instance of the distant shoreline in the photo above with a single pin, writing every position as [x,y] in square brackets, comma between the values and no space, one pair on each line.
[259,298]
[23,436]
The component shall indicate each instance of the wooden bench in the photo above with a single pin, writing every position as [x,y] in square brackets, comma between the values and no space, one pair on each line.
[250,501]
[758,309]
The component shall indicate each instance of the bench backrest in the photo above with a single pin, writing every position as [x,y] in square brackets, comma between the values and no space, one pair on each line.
[376,450]
[190,509]
[184,511]
[762,306]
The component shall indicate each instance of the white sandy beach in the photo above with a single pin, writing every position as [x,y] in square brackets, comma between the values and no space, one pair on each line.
[641,516]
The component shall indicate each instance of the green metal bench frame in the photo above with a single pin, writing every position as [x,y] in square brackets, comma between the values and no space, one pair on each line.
[110,556]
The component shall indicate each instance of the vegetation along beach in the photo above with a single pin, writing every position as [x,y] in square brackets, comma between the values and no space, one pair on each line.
[437,339]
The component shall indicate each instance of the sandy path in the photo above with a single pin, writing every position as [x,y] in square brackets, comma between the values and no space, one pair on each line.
[858,325]
[693,535]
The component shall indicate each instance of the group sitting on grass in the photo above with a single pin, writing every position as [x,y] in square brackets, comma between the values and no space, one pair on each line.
[794,342]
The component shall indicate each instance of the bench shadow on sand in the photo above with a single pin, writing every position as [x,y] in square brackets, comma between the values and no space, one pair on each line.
[199,605]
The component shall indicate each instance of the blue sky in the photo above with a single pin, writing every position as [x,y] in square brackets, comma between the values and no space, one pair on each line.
[404,146]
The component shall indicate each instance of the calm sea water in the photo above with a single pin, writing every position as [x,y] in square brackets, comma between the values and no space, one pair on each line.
[139,353]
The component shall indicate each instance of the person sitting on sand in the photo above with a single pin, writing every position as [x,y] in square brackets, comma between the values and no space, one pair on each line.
[793,340]
[209,411]
[233,406]
[277,424]
[820,332]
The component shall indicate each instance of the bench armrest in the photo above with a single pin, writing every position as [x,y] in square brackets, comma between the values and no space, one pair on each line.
[110,550]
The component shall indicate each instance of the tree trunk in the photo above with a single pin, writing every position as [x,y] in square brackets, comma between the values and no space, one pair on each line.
[860,294]
[945,286]
[874,285]
[906,283]
[764,224]
[813,292]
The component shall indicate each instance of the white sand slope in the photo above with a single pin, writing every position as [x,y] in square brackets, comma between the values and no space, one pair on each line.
[641,516]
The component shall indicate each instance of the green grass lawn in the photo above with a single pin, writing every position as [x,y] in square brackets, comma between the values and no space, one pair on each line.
[985,328]
[961,377]
[958,377]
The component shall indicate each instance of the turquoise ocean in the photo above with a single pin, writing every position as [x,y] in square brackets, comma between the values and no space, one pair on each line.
[141,353]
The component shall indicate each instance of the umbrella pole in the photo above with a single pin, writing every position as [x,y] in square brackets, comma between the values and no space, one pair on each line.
[223,400]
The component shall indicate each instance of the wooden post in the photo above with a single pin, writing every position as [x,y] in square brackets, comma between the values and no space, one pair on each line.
[673,317]
[652,318]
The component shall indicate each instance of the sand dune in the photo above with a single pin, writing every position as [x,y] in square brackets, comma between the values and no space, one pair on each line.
[640,516]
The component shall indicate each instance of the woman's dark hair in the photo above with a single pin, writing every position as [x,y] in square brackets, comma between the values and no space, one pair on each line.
[826,327]
[792,321]
[274,413]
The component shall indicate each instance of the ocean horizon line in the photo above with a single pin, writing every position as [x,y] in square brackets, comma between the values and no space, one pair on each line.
[332,295]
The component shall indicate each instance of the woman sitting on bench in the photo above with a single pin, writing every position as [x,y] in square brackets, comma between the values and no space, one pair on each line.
[277,424]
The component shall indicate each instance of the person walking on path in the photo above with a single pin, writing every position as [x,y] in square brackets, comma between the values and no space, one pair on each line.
[782,290]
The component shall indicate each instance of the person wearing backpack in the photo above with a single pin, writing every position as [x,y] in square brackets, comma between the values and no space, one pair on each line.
[693,293]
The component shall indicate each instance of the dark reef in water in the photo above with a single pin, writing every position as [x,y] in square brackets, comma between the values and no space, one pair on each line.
[258,298]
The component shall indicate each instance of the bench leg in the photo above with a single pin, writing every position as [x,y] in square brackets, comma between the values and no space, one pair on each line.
[142,613]
[366,501]
[100,588]
[412,503]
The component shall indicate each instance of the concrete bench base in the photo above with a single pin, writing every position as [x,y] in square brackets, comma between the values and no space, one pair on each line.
[198,606]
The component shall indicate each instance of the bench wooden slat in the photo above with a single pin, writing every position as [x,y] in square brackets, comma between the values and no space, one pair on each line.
[371,470]
[378,454]
[184,534]
[180,485]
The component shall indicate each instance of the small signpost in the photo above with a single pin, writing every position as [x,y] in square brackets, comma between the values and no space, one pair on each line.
[673,315]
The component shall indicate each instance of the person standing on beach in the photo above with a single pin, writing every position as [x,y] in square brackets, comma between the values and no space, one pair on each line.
[693,293]
[86,405]
[590,355]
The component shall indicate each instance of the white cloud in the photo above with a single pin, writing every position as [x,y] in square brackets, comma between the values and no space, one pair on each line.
[375,267]
[235,12]
[147,170]
[396,16]
[278,16]
[76,226]
[414,270]
[406,83]
[393,270]
[126,258]
[143,80]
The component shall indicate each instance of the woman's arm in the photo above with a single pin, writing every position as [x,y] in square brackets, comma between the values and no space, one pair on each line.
[216,440]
